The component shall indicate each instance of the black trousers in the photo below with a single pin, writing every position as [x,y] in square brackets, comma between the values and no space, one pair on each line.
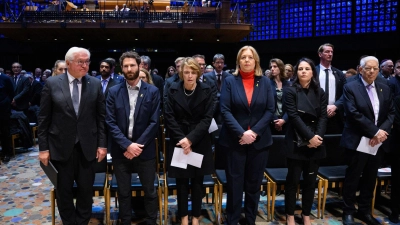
[5,136]
[77,169]
[360,164]
[182,185]
[244,172]
[146,169]
[309,169]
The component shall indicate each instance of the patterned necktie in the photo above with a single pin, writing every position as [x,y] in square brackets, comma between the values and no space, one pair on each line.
[75,95]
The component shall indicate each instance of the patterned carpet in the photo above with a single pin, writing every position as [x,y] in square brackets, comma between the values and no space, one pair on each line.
[25,199]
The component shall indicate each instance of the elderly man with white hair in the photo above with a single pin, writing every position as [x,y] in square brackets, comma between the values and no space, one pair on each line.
[369,116]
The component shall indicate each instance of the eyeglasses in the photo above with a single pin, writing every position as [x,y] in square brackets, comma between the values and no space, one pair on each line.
[370,68]
[80,63]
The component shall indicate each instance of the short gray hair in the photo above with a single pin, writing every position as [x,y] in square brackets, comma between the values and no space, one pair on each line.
[364,60]
[73,51]
[146,60]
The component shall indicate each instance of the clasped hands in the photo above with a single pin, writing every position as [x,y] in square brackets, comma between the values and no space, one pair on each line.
[331,110]
[248,137]
[133,150]
[315,141]
[278,124]
[380,137]
[186,145]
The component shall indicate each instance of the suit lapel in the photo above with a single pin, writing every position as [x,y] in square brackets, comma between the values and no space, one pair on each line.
[125,100]
[363,91]
[256,90]
[241,92]
[304,104]
[64,86]
[84,95]
[141,95]
[380,97]
[180,98]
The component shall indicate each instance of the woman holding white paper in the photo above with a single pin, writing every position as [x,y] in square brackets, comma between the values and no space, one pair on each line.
[188,114]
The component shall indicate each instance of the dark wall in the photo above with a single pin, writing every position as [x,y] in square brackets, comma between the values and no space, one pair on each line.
[348,49]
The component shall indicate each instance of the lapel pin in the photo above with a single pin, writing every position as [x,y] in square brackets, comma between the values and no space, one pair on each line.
[141,95]
[257,85]
[381,89]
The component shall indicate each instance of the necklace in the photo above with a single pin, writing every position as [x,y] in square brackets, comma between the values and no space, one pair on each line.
[184,91]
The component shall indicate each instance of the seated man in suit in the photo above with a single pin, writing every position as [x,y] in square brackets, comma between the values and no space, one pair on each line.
[133,119]
[369,113]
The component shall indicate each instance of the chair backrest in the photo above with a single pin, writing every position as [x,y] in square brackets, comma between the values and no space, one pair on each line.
[277,156]
[334,152]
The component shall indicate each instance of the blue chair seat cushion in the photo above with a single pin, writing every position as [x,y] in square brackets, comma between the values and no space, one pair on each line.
[333,173]
[135,182]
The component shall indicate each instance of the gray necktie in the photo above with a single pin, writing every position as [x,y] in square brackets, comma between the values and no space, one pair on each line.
[75,96]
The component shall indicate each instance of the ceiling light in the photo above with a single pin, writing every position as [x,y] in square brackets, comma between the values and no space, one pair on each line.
[108,39]
[55,39]
[81,39]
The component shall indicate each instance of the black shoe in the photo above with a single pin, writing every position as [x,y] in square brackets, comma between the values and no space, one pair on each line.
[6,158]
[367,218]
[348,219]
[394,217]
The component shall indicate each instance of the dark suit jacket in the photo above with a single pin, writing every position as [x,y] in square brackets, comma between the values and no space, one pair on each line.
[238,115]
[21,90]
[305,109]
[117,78]
[159,83]
[360,119]
[59,125]
[167,85]
[213,75]
[6,95]
[190,120]
[35,92]
[146,120]
[111,83]
[340,81]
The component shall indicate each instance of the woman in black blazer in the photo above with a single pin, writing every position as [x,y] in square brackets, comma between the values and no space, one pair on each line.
[188,114]
[247,106]
[278,82]
[305,103]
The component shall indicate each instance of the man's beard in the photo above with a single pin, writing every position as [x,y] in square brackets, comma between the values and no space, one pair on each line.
[132,76]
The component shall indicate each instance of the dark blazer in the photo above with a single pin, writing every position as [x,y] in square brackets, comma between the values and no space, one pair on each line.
[59,125]
[213,75]
[117,78]
[168,83]
[146,120]
[305,109]
[158,82]
[21,89]
[6,95]
[111,83]
[340,81]
[34,92]
[238,115]
[191,122]
[360,119]
[285,84]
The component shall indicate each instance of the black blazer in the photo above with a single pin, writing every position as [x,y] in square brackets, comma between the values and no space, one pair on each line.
[340,82]
[21,89]
[191,122]
[146,120]
[111,83]
[360,119]
[238,115]
[305,108]
[59,125]
[213,75]
[6,95]
[35,92]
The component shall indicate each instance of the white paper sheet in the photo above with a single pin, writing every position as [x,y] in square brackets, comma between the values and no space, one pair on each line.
[109,156]
[176,159]
[213,126]
[385,170]
[366,148]
[180,160]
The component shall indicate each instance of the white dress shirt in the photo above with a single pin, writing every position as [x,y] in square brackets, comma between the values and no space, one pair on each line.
[332,83]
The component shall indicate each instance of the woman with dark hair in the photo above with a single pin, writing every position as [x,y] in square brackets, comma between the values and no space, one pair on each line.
[278,82]
[188,114]
[305,103]
[247,107]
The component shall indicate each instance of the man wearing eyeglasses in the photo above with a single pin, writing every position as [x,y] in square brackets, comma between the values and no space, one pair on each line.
[71,134]
[369,114]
